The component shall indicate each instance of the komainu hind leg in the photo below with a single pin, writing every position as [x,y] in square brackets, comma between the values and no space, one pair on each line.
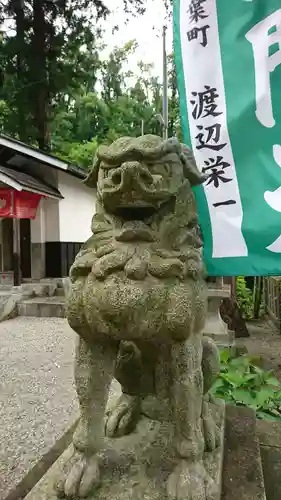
[122,418]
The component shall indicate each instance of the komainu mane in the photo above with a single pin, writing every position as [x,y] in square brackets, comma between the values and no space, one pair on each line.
[138,296]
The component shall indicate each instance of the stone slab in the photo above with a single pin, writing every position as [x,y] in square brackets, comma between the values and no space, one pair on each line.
[242,472]
[135,467]
[8,306]
[270,443]
[269,433]
[271,461]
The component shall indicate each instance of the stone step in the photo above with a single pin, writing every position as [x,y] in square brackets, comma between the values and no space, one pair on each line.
[48,307]
[242,473]
[60,292]
[40,289]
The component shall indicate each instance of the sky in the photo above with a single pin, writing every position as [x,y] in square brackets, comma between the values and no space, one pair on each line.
[146,30]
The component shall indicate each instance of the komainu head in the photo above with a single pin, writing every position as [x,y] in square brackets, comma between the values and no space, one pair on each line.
[134,177]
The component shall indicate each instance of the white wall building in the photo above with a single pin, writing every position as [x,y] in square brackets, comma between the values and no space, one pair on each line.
[46,245]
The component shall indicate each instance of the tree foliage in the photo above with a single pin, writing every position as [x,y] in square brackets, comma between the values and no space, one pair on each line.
[55,90]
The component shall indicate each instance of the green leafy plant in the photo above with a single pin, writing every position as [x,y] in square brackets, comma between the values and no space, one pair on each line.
[244,298]
[243,383]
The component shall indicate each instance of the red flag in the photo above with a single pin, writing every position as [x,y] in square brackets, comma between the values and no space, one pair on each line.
[25,205]
[18,204]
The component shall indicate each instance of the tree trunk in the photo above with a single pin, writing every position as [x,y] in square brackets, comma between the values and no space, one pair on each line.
[39,74]
[258,290]
[18,7]
[232,316]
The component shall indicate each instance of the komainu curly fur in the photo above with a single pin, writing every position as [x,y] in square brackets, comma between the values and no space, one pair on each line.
[138,296]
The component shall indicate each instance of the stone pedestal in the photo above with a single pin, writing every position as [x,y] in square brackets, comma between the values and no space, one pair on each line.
[127,473]
[137,466]
[215,327]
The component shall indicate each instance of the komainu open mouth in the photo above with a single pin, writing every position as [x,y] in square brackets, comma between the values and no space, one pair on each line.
[135,212]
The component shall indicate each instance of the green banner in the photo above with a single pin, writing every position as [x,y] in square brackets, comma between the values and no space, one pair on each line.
[228,59]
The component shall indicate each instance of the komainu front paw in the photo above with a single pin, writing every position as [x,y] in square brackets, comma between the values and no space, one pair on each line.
[123,417]
[189,481]
[80,478]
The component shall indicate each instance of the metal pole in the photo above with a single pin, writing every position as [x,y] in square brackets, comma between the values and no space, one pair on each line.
[165,88]
[142,127]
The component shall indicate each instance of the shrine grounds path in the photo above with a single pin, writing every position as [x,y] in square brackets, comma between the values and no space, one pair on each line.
[38,401]
[37,396]
[265,341]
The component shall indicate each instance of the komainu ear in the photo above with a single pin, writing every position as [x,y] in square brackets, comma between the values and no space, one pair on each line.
[190,169]
[92,178]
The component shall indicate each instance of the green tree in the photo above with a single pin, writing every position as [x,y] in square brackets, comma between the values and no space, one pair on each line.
[116,109]
[52,52]
[56,92]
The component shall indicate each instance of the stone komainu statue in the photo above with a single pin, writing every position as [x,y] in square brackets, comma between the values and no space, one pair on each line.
[138,296]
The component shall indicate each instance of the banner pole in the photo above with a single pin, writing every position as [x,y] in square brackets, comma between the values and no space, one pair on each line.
[165,105]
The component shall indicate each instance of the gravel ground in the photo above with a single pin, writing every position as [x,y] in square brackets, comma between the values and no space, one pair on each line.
[37,396]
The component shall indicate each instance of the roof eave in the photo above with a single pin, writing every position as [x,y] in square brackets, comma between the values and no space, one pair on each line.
[19,186]
[41,157]
[76,171]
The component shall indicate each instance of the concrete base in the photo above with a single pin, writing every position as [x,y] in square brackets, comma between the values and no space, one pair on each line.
[136,466]
[243,473]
